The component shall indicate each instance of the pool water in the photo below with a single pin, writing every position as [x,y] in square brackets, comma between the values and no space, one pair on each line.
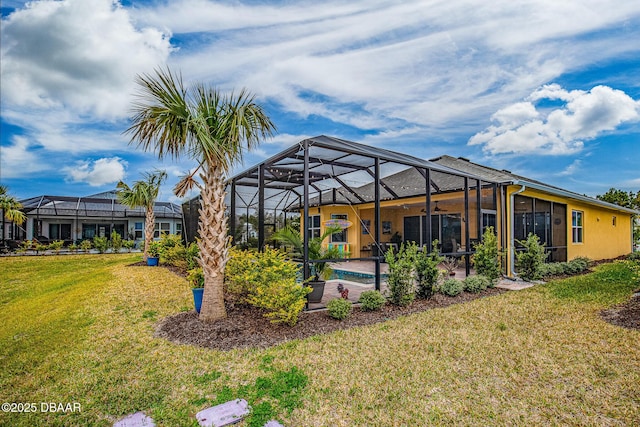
[354,276]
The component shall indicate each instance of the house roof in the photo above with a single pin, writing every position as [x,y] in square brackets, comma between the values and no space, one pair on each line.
[101,205]
[507,177]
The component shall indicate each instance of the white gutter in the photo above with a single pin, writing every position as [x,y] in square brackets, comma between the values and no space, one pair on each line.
[512,246]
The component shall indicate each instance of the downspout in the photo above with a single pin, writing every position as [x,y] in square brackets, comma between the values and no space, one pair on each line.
[512,239]
[503,218]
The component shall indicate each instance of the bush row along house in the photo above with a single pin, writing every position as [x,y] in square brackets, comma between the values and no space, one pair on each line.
[73,219]
[384,198]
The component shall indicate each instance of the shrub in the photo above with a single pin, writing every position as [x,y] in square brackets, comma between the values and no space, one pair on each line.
[116,241]
[101,244]
[192,253]
[371,300]
[634,256]
[401,290]
[174,255]
[168,241]
[154,249]
[195,277]
[56,245]
[575,266]
[427,273]
[476,283]
[339,308]
[282,298]
[451,287]
[266,280]
[26,246]
[129,244]
[580,264]
[486,260]
[85,245]
[529,262]
[552,269]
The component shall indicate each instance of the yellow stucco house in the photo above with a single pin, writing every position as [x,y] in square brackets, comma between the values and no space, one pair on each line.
[383,198]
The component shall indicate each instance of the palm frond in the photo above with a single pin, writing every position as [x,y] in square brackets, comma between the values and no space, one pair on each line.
[186,183]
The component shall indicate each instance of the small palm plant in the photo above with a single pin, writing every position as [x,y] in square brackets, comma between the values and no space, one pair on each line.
[316,250]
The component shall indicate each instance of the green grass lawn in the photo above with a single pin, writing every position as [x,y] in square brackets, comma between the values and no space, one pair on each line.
[79,329]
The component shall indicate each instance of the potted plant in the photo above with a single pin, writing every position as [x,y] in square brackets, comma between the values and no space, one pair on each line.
[195,277]
[320,271]
[154,254]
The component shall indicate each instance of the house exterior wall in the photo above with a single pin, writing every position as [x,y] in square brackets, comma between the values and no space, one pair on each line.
[393,213]
[601,238]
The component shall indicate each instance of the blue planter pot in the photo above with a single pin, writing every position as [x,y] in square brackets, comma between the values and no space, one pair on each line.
[152,262]
[197,297]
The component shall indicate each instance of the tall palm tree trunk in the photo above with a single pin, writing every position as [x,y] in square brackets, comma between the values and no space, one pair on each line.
[149,226]
[213,243]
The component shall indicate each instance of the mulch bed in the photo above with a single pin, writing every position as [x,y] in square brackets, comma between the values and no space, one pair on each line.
[246,327]
[626,315]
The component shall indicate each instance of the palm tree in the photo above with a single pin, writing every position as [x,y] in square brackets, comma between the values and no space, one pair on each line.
[11,209]
[143,194]
[214,130]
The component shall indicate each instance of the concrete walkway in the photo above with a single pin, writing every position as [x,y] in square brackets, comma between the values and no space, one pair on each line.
[516,284]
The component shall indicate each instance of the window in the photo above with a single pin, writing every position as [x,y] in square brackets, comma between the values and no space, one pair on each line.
[489,220]
[576,226]
[314,226]
[446,228]
[613,221]
[340,236]
[161,228]
[60,231]
[179,229]
[137,231]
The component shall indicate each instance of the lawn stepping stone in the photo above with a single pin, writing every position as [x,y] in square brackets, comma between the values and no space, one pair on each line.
[224,414]
[273,423]
[139,419]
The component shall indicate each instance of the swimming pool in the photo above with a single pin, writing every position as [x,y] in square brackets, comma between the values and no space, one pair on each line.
[354,276]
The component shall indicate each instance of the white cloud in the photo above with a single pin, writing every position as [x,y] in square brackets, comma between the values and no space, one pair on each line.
[521,128]
[99,172]
[19,160]
[80,55]
[574,167]
[381,65]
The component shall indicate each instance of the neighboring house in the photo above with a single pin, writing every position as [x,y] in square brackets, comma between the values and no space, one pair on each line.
[78,218]
[384,197]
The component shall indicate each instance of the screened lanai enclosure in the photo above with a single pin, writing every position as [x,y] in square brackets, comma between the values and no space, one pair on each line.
[73,219]
[379,197]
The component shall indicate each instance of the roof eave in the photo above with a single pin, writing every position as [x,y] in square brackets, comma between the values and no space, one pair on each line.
[574,196]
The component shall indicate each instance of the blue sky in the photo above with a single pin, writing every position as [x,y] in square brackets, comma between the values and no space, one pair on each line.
[547,89]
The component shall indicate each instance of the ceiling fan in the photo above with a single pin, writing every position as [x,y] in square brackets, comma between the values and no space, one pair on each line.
[436,209]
